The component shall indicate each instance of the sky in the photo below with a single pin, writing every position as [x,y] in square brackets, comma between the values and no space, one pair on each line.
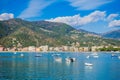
[92,15]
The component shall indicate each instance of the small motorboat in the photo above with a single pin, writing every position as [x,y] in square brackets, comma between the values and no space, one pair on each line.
[21,55]
[88,57]
[15,52]
[58,59]
[55,54]
[118,57]
[114,55]
[69,59]
[88,64]
[38,55]
[96,56]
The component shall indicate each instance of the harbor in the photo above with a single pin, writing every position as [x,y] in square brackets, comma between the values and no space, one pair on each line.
[59,66]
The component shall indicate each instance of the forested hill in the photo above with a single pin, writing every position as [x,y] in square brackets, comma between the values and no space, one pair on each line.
[18,32]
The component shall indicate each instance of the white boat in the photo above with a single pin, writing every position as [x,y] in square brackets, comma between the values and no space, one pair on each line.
[118,57]
[88,57]
[74,59]
[55,54]
[114,55]
[15,52]
[88,64]
[21,55]
[96,56]
[69,59]
[58,59]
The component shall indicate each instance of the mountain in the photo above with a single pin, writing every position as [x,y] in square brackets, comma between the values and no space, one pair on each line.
[112,34]
[33,33]
[21,33]
[93,33]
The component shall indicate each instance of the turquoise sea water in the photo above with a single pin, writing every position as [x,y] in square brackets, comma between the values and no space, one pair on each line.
[31,67]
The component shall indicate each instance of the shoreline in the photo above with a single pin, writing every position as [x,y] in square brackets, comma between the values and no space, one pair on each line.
[58,52]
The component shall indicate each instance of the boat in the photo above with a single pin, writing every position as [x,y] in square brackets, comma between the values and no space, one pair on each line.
[118,57]
[114,55]
[21,55]
[38,55]
[58,59]
[55,54]
[88,64]
[88,57]
[15,52]
[96,56]
[69,59]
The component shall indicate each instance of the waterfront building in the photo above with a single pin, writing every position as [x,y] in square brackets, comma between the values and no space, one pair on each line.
[51,48]
[65,48]
[44,48]
[1,48]
[38,49]
[31,48]
[85,49]
[25,49]
[94,48]
[56,49]
[72,49]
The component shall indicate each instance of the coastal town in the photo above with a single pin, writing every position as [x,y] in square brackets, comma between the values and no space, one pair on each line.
[46,48]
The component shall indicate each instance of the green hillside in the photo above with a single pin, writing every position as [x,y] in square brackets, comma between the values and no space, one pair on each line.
[20,33]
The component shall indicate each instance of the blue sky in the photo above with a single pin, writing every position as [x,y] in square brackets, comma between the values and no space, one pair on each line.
[92,15]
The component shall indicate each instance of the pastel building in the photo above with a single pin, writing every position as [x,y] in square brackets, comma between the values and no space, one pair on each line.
[44,48]
[1,48]
[31,48]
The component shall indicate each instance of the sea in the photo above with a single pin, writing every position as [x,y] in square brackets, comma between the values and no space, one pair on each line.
[53,66]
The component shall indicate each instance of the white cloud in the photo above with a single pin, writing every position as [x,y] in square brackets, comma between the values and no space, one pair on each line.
[88,4]
[114,23]
[6,16]
[77,20]
[112,17]
[34,8]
